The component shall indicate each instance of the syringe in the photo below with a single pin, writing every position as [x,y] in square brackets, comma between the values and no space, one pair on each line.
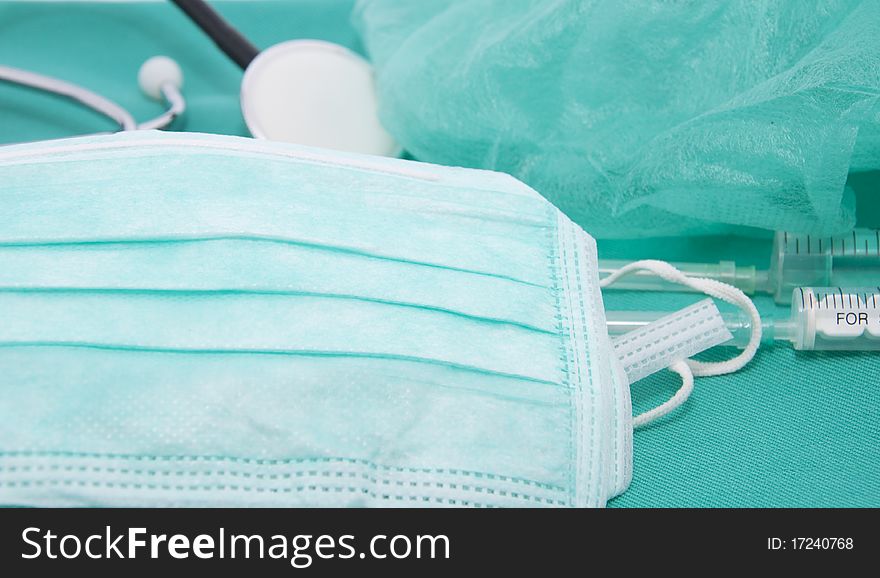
[822,319]
[798,260]
[803,261]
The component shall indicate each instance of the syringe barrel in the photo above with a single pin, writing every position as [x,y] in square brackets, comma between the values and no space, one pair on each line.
[738,323]
[850,260]
[835,319]
[725,271]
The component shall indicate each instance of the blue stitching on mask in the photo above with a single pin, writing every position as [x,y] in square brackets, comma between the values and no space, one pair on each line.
[278,490]
[578,455]
[578,294]
[594,291]
[285,476]
[276,462]
[565,354]
[571,363]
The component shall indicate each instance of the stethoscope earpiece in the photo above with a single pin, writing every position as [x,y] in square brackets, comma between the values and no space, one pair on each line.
[156,72]
[159,77]
[307,92]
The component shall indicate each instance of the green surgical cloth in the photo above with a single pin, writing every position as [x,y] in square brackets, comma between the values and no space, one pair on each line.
[792,429]
[642,117]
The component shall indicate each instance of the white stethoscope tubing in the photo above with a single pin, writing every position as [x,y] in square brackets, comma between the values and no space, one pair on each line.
[176,108]
[73,92]
[169,90]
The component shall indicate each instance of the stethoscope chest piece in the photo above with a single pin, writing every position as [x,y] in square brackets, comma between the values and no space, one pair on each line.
[314,93]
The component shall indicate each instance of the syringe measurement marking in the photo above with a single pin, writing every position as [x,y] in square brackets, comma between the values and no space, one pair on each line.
[849,318]
[842,251]
[841,319]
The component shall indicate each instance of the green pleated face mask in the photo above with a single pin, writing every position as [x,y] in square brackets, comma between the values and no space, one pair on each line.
[196,320]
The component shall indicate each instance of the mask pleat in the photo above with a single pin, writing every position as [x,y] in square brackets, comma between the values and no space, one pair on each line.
[274,407]
[264,267]
[276,323]
[201,320]
[204,198]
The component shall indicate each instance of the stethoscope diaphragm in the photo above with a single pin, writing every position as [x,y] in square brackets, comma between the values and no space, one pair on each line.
[314,93]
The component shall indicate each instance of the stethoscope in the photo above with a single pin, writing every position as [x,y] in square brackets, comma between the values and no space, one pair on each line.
[159,77]
[307,92]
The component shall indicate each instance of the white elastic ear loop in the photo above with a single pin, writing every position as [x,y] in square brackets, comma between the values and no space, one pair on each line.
[690,367]
[681,396]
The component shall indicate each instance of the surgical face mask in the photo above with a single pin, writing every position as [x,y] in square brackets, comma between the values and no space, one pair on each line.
[191,320]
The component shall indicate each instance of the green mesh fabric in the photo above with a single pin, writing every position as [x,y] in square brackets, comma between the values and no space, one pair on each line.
[792,429]
[642,117]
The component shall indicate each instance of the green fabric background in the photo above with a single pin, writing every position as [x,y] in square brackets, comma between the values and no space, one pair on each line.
[792,429]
